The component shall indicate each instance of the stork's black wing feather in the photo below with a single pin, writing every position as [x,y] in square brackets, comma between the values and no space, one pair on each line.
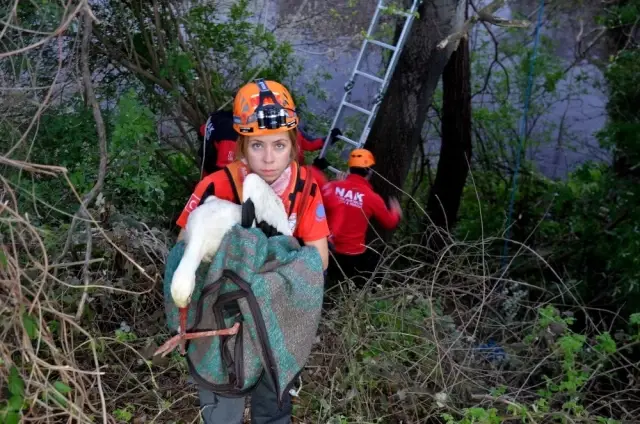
[249,216]
[248,213]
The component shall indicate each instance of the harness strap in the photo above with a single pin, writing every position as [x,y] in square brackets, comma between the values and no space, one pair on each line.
[306,193]
[236,172]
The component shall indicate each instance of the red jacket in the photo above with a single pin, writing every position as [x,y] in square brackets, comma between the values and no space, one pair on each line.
[349,205]
[319,176]
[306,144]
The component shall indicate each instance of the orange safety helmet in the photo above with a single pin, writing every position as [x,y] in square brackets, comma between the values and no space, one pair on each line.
[361,158]
[263,107]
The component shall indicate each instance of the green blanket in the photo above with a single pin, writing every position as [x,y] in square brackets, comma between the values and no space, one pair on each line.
[275,287]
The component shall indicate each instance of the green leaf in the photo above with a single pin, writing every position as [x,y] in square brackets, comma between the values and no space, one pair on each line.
[53,397]
[15,403]
[61,387]
[59,399]
[12,418]
[15,383]
[30,326]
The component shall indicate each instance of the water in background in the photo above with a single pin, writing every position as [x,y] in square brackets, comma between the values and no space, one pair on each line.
[324,37]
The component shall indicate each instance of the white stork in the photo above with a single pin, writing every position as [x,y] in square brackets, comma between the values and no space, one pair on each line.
[206,227]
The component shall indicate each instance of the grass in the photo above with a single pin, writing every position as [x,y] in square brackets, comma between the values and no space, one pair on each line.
[423,341]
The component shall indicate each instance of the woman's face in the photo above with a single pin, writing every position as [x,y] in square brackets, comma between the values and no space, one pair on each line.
[269,155]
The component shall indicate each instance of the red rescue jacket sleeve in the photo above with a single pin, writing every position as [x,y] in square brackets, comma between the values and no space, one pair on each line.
[319,176]
[309,144]
[388,218]
[328,198]
[216,184]
[313,225]
[330,203]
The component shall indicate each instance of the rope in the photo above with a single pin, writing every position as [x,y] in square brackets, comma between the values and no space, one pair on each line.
[522,132]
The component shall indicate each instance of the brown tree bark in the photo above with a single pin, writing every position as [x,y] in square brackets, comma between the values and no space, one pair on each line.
[455,151]
[395,133]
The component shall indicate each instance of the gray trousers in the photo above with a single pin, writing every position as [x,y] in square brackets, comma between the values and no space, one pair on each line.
[217,409]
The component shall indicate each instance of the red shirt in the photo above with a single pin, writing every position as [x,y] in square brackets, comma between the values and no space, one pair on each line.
[350,203]
[311,227]
[307,145]
[319,176]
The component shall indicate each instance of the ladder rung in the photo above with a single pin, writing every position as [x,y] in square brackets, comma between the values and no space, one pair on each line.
[383,81]
[396,12]
[334,170]
[381,44]
[371,77]
[358,108]
[348,140]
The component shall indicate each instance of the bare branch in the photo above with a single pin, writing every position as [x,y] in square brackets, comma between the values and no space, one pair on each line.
[100,127]
[62,28]
[118,58]
[85,270]
[33,167]
[496,60]
[483,15]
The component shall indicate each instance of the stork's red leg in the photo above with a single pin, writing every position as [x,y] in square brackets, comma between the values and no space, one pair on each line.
[183,328]
[182,336]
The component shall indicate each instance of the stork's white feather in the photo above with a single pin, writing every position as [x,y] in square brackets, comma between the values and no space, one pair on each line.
[206,226]
[268,206]
[208,223]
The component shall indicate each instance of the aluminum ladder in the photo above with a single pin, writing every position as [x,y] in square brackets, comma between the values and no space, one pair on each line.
[384,82]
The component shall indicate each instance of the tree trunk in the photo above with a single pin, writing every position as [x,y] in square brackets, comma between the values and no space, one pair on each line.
[455,151]
[396,131]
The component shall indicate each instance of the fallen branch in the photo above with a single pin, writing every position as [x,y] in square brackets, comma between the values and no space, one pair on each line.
[486,14]
[33,167]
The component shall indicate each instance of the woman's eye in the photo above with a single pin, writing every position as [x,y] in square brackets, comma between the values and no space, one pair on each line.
[256,145]
[280,146]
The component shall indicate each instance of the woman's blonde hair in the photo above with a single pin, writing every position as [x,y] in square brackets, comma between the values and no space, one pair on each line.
[243,144]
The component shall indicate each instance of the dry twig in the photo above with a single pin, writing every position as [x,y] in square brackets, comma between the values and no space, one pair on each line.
[483,15]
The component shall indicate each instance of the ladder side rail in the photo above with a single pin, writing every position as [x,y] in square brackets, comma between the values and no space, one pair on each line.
[397,49]
[336,118]
[390,69]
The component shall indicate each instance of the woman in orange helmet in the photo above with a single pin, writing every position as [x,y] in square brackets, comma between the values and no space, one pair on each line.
[265,118]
